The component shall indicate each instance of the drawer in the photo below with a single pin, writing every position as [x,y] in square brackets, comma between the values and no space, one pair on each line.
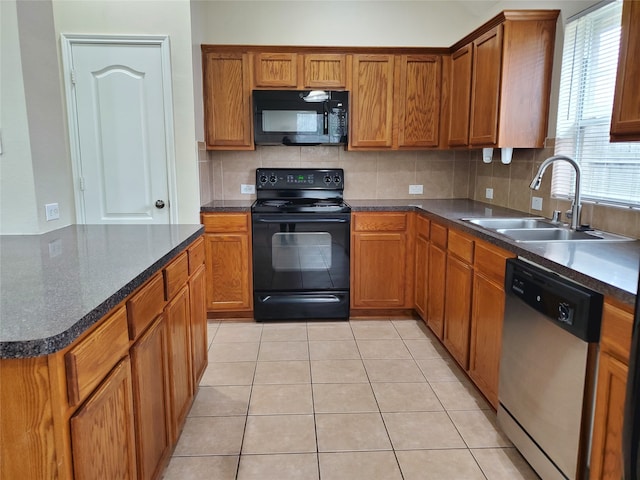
[176,275]
[439,235]
[225,222]
[422,226]
[616,330]
[490,261]
[461,246]
[145,305]
[89,362]
[379,222]
[196,255]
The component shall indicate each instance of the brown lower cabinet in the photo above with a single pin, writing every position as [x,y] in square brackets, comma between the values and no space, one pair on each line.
[613,365]
[111,404]
[437,276]
[149,363]
[228,262]
[102,434]
[460,295]
[487,312]
[381,260]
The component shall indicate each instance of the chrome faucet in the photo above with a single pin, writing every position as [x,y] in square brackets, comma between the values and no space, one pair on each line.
[575,206]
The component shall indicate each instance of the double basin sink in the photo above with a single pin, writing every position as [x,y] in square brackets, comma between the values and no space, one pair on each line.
[538,229]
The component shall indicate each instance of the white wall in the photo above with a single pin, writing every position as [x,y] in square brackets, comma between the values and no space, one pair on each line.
[172,18]
[35,164]
[17,188]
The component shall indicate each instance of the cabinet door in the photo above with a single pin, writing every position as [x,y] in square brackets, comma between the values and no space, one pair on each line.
[372,101]
[436,288]
[486,336]
[615,345]
[460,96]
[180,377]
[227,106]
[457,309]
[149,358]
[625,120]
[422,276]
[325,70]
[102,430]
[379,270]
[197,297]
[419,101]
[606,450]
[275,70]
[485,88]
[228,274]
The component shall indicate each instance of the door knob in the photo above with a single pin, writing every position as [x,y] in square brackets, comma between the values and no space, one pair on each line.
[159,203]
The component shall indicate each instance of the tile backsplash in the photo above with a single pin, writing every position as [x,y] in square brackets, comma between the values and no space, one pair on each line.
[387,175]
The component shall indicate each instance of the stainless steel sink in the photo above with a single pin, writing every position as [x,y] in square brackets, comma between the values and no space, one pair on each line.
[558,235]
[509,223]
[539,229]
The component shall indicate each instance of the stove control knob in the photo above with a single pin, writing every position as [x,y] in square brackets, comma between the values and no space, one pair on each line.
[327,179]
[263,179]
[337,179]
[273,179]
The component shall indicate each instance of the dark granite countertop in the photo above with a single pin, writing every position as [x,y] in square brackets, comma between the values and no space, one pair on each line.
[609,268]
[218,206]
[56,285]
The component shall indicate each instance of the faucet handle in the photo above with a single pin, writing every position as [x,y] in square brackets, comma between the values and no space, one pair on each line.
[557,214]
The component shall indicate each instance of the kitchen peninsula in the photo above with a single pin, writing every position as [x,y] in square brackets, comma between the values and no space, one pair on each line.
[102,344]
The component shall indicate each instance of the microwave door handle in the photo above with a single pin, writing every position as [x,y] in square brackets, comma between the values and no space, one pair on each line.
[326,118]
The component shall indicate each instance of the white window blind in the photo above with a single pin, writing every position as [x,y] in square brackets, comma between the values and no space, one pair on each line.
[610,171]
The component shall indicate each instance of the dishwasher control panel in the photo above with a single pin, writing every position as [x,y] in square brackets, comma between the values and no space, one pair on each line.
[570,305]
[546,302]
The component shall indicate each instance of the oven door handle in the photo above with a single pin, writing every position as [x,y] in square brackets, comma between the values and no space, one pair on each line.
[286,219]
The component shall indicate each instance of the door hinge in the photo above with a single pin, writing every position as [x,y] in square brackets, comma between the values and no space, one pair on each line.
[73,76]
[81,181]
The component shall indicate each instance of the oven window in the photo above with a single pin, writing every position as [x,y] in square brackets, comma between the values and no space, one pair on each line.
[304,251]
[300,121]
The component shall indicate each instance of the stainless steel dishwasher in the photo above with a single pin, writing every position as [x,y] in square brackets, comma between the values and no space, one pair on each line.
[547,368]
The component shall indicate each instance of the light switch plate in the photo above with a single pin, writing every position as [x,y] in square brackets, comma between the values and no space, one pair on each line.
[415,189]
[247,189]
[489,193]
[536,203]
[52,211]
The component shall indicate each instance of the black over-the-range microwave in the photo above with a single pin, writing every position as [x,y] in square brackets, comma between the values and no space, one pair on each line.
[300,117]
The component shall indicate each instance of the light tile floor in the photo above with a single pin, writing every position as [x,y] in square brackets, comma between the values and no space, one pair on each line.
[374,400]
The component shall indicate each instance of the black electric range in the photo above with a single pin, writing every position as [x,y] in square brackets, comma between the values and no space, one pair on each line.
[301,233]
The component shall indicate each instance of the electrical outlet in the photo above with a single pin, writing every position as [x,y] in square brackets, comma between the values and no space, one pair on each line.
[52,212]
[415,189]
[536,203]
[247,189]
[488,193]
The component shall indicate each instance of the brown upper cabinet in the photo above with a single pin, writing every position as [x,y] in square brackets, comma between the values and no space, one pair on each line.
[324,70]
[418,100]
[625,120]
[395,101]
[501,80]
[275,70]
[371,122]
[491,89]
[300,71]
[227,100]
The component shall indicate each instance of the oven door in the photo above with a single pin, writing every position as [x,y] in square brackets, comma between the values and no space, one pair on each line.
[301,265]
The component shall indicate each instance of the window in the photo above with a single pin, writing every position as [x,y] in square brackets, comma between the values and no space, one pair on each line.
[610,171]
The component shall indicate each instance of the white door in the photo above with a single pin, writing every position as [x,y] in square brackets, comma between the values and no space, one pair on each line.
[119,99]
